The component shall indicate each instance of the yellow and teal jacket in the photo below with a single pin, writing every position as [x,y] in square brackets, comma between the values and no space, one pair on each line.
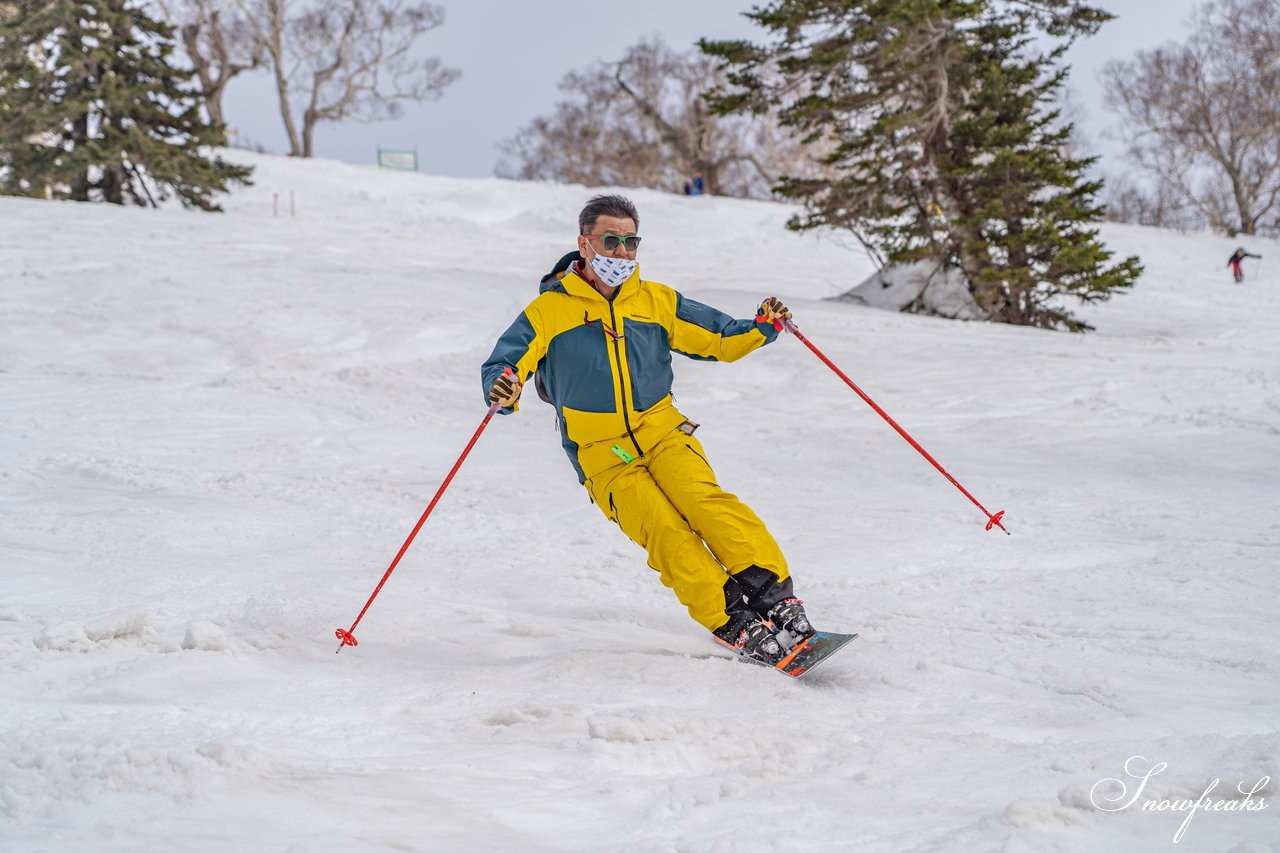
[606,364]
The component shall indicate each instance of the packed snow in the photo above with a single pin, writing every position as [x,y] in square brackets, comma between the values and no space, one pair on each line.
[219,429]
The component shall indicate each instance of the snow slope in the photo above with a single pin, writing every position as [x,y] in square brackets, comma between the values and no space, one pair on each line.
[217,431]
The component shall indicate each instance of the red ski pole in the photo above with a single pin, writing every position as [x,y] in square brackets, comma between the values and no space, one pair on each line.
[992,520]
[348,637]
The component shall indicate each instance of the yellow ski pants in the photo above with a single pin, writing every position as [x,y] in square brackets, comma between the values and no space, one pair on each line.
[669,503]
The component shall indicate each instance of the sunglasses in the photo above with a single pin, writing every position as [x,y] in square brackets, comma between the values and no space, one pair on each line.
[610,242]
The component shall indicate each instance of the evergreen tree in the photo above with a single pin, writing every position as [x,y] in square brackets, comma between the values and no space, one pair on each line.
[91,108]
[947,147]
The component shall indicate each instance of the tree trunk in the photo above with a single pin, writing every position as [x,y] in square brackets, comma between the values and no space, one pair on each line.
[80,186]
[210,86]
[80,136]
[276,11]
[308,132]
[213,103]
[1244,206]
[113,183]
[286,113]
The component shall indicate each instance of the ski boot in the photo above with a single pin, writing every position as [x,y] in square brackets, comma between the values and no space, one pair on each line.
[788,617]
[752,640]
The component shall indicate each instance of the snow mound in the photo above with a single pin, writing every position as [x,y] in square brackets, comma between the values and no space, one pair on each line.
[922,287]
[132,628]
[205,636]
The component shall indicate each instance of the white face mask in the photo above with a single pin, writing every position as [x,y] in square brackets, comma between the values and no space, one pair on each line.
[613,271]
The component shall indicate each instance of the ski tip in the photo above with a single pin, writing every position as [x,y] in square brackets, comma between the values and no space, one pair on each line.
[812,652]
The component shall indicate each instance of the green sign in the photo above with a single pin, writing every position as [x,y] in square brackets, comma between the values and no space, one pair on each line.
[405,161]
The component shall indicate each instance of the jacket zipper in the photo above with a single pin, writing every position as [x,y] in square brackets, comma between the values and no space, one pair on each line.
[622,381]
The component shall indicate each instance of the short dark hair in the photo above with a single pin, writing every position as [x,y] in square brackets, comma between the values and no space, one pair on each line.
[606,205]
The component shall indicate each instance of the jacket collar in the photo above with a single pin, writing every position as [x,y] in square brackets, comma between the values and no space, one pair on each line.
[576,284]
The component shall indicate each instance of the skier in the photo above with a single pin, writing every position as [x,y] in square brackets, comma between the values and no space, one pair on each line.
[600,338]
[1235,260]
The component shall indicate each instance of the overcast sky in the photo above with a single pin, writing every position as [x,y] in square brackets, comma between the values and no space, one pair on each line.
[512,53]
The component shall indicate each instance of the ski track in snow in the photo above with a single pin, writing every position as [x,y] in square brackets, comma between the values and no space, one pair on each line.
[219,429]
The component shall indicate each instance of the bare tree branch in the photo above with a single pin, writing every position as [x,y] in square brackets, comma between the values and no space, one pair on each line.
[1202,119]
[346,59]
[656,131]
[219,43]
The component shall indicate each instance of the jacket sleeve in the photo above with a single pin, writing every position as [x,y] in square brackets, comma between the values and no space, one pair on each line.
[700,331]
[519,348]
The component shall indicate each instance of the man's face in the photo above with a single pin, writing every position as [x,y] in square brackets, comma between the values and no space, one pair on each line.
[589,245]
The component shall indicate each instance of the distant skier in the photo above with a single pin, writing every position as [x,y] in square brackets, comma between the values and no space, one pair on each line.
[600,338]
[1234,262]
